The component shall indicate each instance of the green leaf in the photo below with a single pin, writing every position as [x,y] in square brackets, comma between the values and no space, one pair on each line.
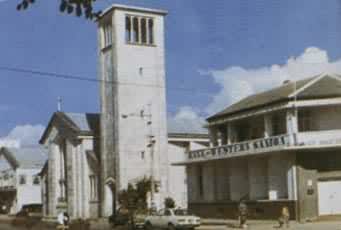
[69,9]
[78,10]
[25,4]
[62,6]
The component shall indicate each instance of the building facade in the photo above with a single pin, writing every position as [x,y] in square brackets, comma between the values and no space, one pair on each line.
[71,177]
[19,180]
[132,74]
[273,149]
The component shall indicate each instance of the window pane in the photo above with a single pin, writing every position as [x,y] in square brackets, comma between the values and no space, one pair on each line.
[107,35]
[128,29]
[136,30]
[22,179]
[144,30]
[150,30]
[36,180]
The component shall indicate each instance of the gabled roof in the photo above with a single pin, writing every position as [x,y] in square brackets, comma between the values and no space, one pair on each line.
[185,128]
[25,157]
[87,124]
[321,86]
[73,124]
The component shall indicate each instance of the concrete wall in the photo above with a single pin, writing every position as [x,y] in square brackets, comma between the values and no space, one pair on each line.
[258,178]
[144,66]
[192,183]
[78,186]
[312,167]
[277,177]
[208,182]
[52,179]
[222,178]
[177,174]
[239,179]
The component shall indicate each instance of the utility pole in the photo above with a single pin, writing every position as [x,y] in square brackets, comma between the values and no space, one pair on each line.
[151,145]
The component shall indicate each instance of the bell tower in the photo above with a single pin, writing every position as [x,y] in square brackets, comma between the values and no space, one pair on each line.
[133,98]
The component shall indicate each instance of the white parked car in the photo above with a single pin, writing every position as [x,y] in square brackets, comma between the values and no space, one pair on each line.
[172,219]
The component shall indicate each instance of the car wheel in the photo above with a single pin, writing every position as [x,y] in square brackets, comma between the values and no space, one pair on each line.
[171,227]
[148,226]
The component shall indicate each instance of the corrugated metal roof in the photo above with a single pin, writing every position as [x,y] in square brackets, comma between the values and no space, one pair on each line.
[29,157]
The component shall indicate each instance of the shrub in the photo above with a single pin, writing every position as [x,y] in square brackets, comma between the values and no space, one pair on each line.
[169,202]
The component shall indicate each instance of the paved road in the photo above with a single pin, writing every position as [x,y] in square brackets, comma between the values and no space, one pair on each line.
[330,225]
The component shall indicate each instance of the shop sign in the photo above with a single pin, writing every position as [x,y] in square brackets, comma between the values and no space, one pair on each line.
[239,148]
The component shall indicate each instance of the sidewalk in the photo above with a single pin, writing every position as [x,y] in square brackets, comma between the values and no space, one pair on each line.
[327,224]
[207,221]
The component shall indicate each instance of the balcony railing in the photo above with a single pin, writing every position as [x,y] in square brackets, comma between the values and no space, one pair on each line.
[311,139]
[8,184]
[242,148]
[319,138]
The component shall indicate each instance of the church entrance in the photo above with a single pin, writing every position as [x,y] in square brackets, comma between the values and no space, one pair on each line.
[109,198]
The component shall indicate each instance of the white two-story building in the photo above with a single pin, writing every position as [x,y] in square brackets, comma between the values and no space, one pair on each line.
[277,148]
[19,180]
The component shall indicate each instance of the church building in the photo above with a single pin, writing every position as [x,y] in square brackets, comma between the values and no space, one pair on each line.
[91,157]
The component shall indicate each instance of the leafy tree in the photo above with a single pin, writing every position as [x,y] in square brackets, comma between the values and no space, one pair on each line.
[78,7]
[135,196]
[169,202]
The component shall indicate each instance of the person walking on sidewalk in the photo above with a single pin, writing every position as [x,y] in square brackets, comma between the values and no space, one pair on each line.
[63,221]
[284,218]
[242,209]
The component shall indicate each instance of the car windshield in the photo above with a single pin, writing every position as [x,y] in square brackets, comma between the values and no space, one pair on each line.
[181,212]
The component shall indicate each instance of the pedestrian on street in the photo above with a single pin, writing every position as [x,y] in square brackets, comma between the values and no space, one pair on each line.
[242,208]
[63,221]
[284,217]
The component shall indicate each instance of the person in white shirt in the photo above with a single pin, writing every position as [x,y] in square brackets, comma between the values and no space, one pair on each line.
[63,220]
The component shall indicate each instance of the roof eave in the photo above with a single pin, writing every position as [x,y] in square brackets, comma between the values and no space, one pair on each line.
[131,8]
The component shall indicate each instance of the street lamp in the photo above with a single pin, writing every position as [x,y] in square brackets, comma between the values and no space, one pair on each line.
[150,145]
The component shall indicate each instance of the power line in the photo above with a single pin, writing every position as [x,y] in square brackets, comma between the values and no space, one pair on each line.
[44,74]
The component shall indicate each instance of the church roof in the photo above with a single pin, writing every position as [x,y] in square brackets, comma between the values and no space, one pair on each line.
[321,86]
[25,157]
[88,124]
[73,124]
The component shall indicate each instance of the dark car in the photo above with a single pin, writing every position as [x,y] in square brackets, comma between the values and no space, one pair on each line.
[121,217]
[28,216]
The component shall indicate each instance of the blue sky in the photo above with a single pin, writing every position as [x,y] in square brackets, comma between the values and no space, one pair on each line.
[217,48]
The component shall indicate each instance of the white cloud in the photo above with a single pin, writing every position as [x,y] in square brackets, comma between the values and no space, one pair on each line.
[237,82]
[186,120]
[26,134]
